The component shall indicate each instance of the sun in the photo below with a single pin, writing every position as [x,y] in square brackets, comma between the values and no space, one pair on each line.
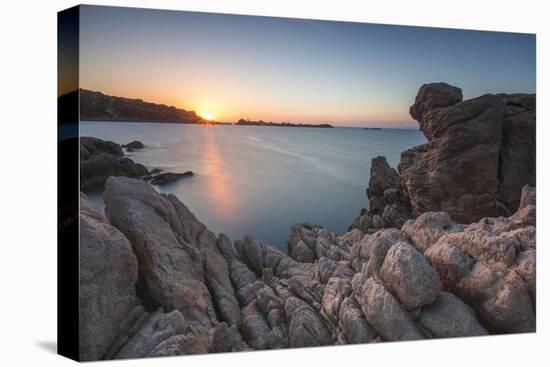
[207,116]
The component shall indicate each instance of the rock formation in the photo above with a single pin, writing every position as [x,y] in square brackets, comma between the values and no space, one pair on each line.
[169,286]
[96,106]
[108,275]
[201,293]
[479,155]
[101,159]
[389,204]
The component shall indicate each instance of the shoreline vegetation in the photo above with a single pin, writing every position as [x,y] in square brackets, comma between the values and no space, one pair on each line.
[446,248]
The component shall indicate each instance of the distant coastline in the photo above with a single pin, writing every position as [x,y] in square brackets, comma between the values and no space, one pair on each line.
[243,122]
[100,107]
[96,106]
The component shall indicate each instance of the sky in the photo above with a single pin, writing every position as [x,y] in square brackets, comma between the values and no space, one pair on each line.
[229,67]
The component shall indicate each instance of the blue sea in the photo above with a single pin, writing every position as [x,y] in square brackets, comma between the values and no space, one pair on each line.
[261,180]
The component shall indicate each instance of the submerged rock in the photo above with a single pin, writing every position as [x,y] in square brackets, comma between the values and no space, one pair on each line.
[90,147]
[135,144]
[97,169]
[167,177]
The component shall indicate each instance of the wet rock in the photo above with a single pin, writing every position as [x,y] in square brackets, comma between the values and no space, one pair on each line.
[95,170]
[90,147]
[135,144]
[168,177]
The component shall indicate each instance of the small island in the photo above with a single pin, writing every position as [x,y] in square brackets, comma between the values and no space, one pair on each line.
[372,128]
[247,122]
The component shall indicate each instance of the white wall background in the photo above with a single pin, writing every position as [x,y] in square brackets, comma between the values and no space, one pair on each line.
[28,186]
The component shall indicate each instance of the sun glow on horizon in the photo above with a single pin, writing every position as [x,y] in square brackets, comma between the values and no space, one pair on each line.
[207,116]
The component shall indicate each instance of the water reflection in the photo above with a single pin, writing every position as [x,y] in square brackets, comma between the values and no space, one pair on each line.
[219,187]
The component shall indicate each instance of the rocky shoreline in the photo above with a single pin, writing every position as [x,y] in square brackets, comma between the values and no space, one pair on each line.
[437,254]
[100,159]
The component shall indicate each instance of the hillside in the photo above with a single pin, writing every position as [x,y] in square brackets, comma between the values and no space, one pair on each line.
[102,107]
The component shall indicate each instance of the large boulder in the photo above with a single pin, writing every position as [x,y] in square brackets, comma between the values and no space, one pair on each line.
[383,311]
[108,276]
[479,155]
[166,238]
[408,276]
[457,170]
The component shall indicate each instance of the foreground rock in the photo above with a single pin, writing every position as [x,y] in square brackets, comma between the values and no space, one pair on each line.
[164,237]
[399,273]
[108,274]
[102,159]
[201,293]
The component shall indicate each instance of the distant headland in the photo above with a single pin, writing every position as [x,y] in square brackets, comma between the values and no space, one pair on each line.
[247,122]
[96,106]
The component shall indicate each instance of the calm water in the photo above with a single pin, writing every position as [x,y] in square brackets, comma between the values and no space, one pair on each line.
[261,180]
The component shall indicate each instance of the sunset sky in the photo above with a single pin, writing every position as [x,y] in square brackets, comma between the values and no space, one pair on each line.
[279,69]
